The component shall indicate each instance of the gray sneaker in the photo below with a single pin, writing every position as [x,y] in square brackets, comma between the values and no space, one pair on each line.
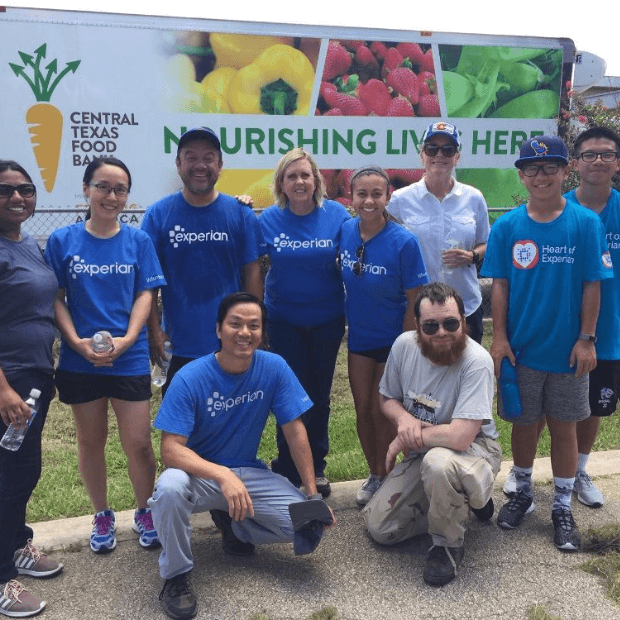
[17,602]
[369,488]
[510,486]
[587,491]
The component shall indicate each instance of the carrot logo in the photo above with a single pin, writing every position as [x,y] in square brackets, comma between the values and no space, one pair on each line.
[44,119]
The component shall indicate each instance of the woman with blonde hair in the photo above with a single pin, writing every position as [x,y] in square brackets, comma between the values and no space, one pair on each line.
[304,296]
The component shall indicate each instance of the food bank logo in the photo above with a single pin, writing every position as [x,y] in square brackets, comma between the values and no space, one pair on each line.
[44,119]
[218,402]
[79,266]
[178,235]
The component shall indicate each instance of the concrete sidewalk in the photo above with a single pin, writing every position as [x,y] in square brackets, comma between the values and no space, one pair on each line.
[503,574]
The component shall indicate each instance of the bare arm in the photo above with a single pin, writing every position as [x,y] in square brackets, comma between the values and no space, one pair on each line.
[458,435]
[584,352]
[139,314]
[297,440]
[13,410]
[253,279]
[500,347]
[175,453]
[409,318]
[157,337]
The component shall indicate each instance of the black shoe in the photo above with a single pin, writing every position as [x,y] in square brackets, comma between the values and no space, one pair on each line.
[441,565]
[513,512]
[567,536]
[323,487]
[486,512]
[177,598]
[230,543]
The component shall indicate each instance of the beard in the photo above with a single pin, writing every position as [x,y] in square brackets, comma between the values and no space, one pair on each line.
[443,357]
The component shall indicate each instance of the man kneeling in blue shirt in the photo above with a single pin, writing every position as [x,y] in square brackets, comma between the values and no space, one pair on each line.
[212,420]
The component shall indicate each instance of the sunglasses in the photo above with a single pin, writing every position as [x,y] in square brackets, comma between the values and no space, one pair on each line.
[448,150]
[25,190]
[431,327]
[358,266]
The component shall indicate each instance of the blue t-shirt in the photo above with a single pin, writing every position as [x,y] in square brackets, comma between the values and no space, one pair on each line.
[546,265]
[376,299]
[223,415]
[102,278]
[303,285]
[608,326]
[202,251]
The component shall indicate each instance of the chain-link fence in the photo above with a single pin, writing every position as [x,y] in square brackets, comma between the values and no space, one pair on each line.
[45,221]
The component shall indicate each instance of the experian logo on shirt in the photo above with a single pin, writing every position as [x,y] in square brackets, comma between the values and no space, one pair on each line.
[218,402]
[178,235]
[284,241]
[80,266]
[347,262]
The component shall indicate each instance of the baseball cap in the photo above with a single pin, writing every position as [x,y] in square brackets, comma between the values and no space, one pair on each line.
[441,128]
[542,148]
[201,133]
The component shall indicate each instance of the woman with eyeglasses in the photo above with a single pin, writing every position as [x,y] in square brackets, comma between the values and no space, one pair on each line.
[304,296]
[383,270]
[450,219]
[106,271]
[28,287]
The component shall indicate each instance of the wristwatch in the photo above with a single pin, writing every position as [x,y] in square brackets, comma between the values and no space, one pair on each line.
[587,337]
[315,496]
[475,258]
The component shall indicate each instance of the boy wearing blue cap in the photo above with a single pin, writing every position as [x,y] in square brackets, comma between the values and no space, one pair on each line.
[546,258]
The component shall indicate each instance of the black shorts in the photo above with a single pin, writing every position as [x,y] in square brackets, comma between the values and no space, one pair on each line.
[75,388]
[604,387]
[379,355]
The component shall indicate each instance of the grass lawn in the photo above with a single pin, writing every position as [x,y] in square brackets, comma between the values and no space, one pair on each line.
[60,492]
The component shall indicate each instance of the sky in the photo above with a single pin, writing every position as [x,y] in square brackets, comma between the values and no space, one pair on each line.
[592,30]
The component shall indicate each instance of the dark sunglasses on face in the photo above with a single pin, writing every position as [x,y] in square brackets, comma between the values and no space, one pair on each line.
[25,190]
[431,327]
[448,150]
[358,266]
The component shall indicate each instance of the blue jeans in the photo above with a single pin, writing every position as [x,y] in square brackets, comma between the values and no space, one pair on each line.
[311,352]
[20,472]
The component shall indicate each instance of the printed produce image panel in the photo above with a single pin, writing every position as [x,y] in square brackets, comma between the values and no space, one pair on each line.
[224,73]
[501,82]
[376,78]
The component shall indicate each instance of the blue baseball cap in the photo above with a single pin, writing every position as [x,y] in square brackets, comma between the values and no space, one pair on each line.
[542,148]
[199,133]
[441,128]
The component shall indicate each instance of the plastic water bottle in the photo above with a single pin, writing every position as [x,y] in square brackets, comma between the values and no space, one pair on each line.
[509,389]
[14,436]
[160,373]
[102,342]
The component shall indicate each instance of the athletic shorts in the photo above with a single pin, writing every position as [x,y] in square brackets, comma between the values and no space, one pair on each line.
[561,396]
[604,387]
[379,355]
[75,388]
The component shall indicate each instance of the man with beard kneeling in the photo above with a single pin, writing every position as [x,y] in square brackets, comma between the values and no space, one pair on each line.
[437,390]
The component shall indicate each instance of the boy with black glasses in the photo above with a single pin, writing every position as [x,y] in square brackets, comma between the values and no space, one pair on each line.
[546,258]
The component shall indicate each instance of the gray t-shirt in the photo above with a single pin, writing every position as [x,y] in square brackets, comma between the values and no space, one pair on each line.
[27,290]
[438,394]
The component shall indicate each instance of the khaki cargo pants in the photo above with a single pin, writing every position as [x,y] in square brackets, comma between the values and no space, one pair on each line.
[431,493]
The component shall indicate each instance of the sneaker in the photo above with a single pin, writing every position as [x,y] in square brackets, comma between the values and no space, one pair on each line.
[512,513]
[17,602]
[441,565]
[323,487]
[587,492]
[177,598]
[369,488]
[230,543]
[31,561]
[143,524]
[102,538]
[510,486]
[486,512]
[567,536]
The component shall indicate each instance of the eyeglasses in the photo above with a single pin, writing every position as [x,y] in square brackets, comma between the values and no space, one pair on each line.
[104,189]
[358,266]
[25,190]
[448,150]
[532,169]
[592,156]
[431,327]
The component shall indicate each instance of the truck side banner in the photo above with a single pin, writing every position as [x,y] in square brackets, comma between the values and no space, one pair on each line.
[76,86]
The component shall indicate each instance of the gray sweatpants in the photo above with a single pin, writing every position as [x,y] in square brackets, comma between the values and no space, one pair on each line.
[431,493]
[177,495]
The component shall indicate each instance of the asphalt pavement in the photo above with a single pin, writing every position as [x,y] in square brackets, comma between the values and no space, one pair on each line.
[503,574]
